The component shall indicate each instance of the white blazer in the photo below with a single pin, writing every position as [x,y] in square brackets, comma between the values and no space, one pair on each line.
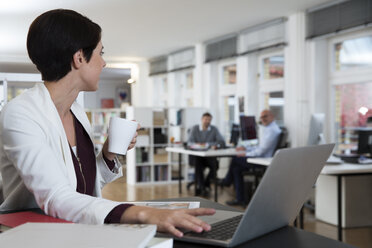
[36,163]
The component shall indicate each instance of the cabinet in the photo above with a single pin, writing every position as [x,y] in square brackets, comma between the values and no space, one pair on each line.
[148,162]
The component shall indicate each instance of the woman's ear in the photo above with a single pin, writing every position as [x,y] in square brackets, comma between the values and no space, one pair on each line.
[77,59]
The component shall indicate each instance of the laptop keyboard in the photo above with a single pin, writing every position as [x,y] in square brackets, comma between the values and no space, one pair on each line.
[222,230]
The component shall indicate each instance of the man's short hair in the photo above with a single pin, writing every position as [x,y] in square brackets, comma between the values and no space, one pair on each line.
[207,114]
[55,36]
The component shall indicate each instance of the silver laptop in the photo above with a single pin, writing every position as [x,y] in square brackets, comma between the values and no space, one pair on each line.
[278,199]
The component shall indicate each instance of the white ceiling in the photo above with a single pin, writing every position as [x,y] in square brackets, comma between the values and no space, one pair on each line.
[135,30]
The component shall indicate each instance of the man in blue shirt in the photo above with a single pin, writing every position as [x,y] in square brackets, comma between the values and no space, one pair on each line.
[267,142]
[205,136]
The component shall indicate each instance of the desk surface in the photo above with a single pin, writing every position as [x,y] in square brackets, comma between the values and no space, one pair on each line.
[344,168]
[209,153]
[289,237]
[260,161]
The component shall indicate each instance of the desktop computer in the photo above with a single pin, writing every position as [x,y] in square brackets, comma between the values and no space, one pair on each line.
[248,127]
[363,153]
[365,142]
[246,130]
[316,136]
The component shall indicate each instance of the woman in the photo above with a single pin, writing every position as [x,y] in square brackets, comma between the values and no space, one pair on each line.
[47,155]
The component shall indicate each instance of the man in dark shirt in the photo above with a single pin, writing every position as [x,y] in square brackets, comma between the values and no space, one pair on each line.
[205,135]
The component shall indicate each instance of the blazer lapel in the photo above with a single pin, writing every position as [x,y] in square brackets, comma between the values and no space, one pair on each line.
[52,115]
[80,114]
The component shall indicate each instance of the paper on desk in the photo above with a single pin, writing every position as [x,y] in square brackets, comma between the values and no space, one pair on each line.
[61,235]
[169,205]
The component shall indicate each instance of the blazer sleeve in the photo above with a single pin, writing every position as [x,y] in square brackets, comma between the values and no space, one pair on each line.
[107,175]
[28,146]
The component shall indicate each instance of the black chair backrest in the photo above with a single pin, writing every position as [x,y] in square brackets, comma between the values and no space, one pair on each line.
[282,141]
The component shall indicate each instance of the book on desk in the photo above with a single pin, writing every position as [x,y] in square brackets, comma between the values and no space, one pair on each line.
[32,229]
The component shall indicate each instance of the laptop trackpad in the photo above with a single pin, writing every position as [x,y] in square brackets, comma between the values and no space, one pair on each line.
[218,216]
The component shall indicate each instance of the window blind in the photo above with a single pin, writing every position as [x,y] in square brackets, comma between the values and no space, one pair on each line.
[337,16]
[158,65]
[262,36]
[220,49]
[182,59]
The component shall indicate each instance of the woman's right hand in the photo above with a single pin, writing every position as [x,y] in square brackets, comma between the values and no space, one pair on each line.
[169,220]
[240,148]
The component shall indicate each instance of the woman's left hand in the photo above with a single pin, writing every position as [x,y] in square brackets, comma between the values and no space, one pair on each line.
[110,155]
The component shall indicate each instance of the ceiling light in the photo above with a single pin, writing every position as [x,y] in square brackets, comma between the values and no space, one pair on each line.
[363,110]
[131,81]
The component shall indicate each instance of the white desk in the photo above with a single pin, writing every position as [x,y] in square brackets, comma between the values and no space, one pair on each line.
[350,187]
[330,192]
[229,152]
[260,161]
[208,153]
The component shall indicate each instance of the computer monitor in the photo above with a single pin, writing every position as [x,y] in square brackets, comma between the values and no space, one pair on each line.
[365,141]
[234,138]
[316,136]
[248,127]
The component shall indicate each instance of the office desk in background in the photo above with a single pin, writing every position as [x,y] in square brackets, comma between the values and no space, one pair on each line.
[289,237]
[229,152]
[353,202]
[349,186]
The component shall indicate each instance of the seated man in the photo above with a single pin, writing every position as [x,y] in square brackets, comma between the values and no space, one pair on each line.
[209,136]
[267,143]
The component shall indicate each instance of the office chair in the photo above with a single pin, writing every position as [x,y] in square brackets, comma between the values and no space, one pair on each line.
[257,171]
[194,182]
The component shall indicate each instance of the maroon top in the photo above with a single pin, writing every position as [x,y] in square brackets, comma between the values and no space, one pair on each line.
[86,177]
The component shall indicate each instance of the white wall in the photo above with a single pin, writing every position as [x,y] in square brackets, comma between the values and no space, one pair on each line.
[143,88]
[107,88]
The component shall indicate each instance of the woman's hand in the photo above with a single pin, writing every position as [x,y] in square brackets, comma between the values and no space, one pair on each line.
[110,155]
[169,220]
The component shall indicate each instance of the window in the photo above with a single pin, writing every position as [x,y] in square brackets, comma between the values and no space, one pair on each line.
[229,103]
[273,67]
[353,53]
[189,89]
[271,84]
[228,96]
[229,74]
[351,87]
[353,105]
[189,81]
[160,91]
[275,102]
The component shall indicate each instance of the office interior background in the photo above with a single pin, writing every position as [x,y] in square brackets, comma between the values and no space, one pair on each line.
[231,58]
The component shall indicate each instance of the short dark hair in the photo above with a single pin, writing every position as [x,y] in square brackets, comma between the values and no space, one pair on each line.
[55,36]
[207,114]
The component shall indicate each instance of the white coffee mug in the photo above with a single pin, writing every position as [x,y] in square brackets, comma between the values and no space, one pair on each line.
[121,132]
